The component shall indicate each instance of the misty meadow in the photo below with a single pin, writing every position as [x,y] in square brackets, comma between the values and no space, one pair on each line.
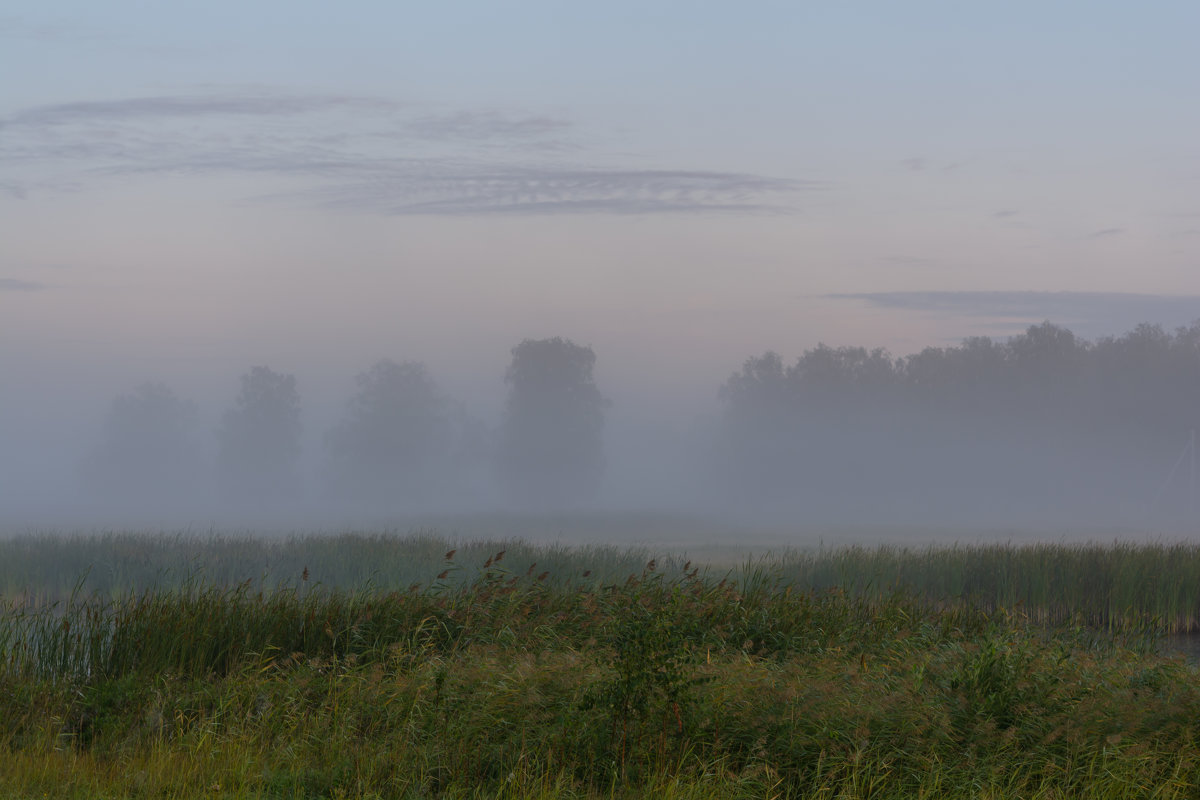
[392,663]
[599,400]
[466,659]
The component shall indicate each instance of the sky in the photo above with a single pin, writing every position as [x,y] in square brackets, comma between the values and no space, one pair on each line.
[190,189]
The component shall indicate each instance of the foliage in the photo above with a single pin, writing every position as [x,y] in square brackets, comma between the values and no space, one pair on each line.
[393,444]
[260,438]
[148,449]
[650,639]
[667,683]
[1114,587]
[1043,422]
[551,446]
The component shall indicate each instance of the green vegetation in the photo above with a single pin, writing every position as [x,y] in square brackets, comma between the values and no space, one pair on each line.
[1110,586]
[515,671]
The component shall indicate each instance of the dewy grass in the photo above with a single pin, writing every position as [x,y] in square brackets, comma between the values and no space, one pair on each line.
[495,675]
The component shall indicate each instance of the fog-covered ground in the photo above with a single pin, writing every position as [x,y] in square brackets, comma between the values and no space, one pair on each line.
[1040,434]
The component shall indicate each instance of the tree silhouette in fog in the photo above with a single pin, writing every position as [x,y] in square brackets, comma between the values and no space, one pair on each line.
[392,447]
[1042,423]
[259,439]
[148,452]
[551,451]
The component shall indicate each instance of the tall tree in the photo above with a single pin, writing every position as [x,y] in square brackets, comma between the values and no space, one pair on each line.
[148,453]
[393,445]
[551,450]
[259,439]
[1041,424]
[759,393]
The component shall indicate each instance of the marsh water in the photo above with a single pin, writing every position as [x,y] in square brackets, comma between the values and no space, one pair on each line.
[1182,644]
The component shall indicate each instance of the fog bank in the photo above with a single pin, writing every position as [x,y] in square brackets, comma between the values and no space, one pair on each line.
[1043,430]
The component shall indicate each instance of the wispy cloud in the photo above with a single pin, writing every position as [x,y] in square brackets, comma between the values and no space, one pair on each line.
[372,155]
[1100,234]
[12,27]
[449,188]
[921,164]
[15,285]
[1090,314]
[480,125]
[176,106]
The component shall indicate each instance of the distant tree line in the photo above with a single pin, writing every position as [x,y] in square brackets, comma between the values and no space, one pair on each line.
[1040,424]
[401,443]
[1044,421]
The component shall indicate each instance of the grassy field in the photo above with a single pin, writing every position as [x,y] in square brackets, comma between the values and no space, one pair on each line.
[386,666]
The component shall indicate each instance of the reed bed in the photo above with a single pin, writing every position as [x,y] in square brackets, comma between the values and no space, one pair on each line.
[1110,586]
[829,674]
[51,567]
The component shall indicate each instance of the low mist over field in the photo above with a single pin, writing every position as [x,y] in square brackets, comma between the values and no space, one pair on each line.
[778,272]
[1042,430]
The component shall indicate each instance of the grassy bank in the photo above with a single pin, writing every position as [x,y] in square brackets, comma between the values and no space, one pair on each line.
[505,672]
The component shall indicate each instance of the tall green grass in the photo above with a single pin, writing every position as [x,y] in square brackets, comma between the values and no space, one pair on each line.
[201,629]
[51,567]
[1104,586]
[493,678]
[1107,586]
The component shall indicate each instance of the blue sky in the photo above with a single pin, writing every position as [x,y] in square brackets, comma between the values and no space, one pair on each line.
[188,189]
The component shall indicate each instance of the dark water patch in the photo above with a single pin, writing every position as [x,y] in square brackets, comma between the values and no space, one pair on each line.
[1182,644]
